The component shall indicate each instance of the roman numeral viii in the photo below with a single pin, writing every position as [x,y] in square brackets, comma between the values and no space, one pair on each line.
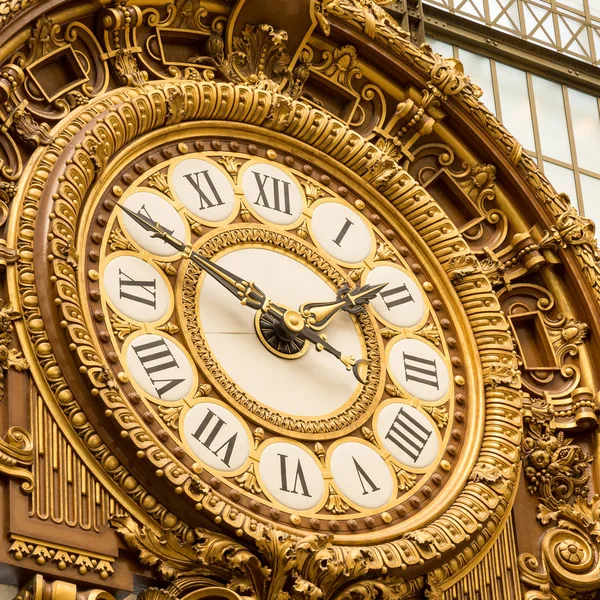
[421,370]
[156,357]
[212,425]
[408,434]
[199,181]
[140,291]
[274,194]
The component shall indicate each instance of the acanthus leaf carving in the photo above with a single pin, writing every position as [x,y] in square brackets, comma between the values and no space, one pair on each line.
[258,59]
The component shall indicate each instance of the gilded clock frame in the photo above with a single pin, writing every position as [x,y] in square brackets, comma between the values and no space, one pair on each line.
[478,504]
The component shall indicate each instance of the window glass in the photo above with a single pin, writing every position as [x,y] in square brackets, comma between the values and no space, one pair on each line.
[562,179]
[478,68]
[552,121]
[441,47]
[586,129]
[514,103]
[590,187]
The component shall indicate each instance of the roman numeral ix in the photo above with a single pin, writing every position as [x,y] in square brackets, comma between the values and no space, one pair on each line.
[196,182]
[155,358]
[421,370]
[408,434]
[281,193]
[146,290]
[226,447]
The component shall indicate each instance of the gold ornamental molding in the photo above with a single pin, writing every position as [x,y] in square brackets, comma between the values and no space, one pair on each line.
[258,78]
[483,502]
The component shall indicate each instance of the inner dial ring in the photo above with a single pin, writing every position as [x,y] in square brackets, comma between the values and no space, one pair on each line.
[257,237]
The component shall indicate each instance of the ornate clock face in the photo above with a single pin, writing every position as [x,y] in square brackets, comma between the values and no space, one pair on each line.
[290,342]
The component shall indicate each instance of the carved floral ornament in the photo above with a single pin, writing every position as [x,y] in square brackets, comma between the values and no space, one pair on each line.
[484,500]
[284,565]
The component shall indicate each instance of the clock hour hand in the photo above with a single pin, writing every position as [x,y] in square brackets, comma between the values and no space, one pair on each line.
[292,324]
[318,315]
[248,294]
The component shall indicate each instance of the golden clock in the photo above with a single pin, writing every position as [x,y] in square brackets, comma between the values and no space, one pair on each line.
[283,333]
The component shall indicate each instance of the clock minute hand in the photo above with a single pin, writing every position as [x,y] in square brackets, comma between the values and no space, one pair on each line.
[318,315]
[357,366]
[248,294]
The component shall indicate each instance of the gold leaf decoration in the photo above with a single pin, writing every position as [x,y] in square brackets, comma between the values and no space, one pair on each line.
[356,274]
[259,436]
[303,230]
[439,414]
[204,389]
[394,391]
[159,182]
[169,328]
[312,191]
[320,451]
[369,435]
[232,166]
[335,504]
[384,252]
[248,481]
[430,332]
[170,416]
[167,267]
[389,333]
[118,241]
[406,481]
[122,328]
[194,225]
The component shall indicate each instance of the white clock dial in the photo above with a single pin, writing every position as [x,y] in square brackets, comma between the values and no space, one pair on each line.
[408,435]
[272,193]
[419,369]
[152,206]
[203,189]
[341,232]
[401,302]
[136,289]
[291,475]
[216,436]
[361,475]
[160,367]
[315,384]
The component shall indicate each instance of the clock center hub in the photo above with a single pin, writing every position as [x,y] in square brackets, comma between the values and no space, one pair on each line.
[280,336]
